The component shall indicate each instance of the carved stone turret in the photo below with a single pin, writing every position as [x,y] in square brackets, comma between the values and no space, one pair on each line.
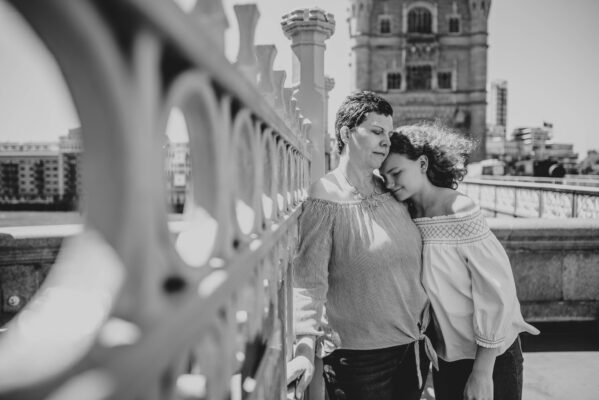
[308,29]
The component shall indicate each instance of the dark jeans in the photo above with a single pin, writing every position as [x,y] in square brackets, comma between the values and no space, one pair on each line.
[381,374]
[450,380]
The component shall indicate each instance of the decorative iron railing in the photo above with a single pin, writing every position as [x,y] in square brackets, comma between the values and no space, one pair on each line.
[533,200]
[133,308]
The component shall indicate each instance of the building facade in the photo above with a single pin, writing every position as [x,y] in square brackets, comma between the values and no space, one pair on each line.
[41,172]
[498,104]
[428,58]
[47,175]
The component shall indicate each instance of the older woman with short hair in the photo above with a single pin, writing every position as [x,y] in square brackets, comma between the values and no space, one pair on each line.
[359,302]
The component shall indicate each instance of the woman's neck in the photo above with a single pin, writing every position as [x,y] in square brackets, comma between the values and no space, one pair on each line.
[358,176]
[427,200]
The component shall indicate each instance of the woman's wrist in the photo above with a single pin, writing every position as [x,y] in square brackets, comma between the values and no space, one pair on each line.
[304,346]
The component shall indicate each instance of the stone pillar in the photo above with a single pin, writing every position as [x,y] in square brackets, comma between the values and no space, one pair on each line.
[308,29]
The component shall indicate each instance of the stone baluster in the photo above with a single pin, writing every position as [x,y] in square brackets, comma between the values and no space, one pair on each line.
[308,29]
[287,96]
[211,14]
[266,56]
[280,104]
[247,19]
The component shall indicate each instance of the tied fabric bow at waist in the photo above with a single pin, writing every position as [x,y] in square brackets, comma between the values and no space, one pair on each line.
[430,353]
[429,349]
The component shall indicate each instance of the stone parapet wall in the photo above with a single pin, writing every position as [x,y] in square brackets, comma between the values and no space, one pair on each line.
[555,264]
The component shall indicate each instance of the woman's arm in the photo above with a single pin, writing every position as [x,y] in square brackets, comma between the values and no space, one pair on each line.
[480,383]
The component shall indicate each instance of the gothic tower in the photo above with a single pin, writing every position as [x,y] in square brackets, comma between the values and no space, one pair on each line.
[428,58]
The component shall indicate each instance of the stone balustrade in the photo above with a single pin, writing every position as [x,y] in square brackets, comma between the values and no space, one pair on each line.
[134,306]
[533,200]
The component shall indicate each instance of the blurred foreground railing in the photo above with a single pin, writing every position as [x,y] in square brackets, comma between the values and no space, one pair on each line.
[533,200]
[133,308]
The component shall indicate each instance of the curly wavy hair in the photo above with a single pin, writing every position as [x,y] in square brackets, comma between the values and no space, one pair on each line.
[354,109]
[447,151]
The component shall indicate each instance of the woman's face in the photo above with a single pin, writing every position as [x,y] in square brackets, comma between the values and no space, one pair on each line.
[403,177]
[369,142]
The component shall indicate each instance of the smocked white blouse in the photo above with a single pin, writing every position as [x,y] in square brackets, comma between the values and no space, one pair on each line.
[469,280]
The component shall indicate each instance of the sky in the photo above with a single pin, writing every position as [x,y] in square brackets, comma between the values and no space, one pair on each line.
[545,49]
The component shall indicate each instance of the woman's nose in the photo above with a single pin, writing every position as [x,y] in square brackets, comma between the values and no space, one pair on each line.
[386,141]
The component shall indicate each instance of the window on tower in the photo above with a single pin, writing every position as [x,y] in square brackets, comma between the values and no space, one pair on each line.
[419,77]
[420,20]
[384,25]
[444,80]
[393,80]
[454,25]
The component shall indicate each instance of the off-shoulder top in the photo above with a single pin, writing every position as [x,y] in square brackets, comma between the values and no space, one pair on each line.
[357,274]
[469,280]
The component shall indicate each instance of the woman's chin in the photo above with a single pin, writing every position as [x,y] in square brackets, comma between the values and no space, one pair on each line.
[398,196]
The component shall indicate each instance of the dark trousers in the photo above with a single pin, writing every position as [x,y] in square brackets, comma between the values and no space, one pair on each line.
[450,380]
[381,374]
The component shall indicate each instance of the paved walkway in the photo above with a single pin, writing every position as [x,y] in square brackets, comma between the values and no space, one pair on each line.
[561,375]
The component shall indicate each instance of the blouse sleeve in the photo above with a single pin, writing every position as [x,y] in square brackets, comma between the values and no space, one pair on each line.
[310,267]
[493,290]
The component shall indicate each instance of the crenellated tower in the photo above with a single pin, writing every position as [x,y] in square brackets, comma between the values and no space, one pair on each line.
[427,57]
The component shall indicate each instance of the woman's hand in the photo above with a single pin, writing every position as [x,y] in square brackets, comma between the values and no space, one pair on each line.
[480,382]
[300,369]
[479,386]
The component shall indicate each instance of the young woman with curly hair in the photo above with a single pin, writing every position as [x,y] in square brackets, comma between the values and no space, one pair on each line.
[466,272]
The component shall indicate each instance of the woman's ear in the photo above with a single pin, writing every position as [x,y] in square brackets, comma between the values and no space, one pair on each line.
[344,131]
[423,162]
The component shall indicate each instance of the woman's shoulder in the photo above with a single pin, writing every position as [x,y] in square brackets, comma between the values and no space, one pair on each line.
[328,188]
[454,202]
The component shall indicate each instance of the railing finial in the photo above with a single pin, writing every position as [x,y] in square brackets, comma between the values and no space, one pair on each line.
[212,14]
[247,19]
[266,56]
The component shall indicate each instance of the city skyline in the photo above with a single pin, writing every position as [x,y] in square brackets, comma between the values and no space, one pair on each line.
[539,47]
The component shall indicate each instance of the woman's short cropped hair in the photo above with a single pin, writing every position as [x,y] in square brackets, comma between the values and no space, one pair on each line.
[447,152]
[354,110]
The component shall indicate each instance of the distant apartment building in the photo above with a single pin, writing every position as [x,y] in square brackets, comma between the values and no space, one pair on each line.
[177,168]
[41,172]
[498,103]
[497,118]
[49,174]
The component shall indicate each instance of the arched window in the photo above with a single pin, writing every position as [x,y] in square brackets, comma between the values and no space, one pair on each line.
[419,20]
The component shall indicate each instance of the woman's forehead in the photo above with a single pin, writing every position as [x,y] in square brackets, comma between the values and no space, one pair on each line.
[394,160]
[376,119]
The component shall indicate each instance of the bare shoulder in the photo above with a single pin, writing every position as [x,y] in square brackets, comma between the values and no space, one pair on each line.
[326,188]
[461,203]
